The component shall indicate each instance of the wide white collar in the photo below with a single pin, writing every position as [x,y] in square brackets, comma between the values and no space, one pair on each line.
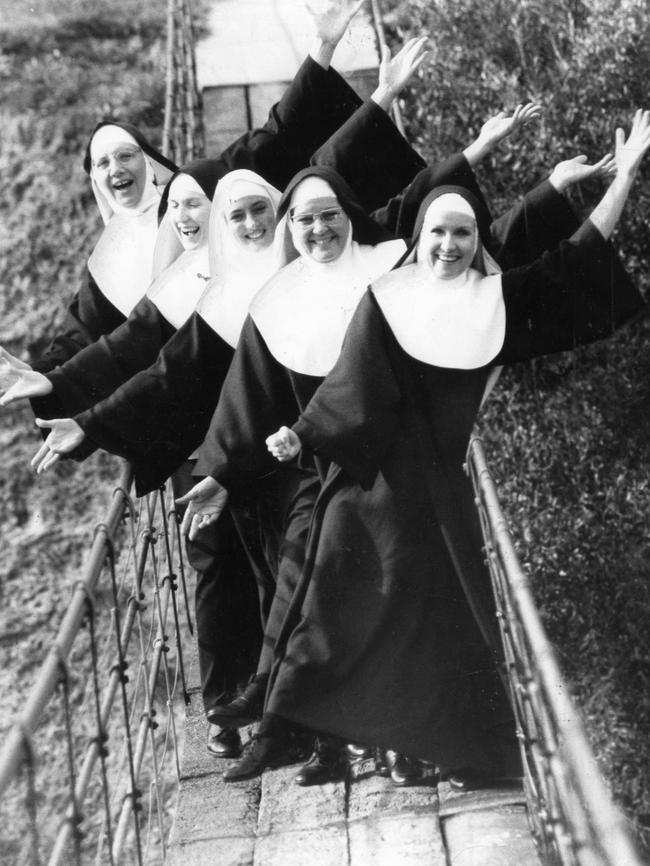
[177,290]
[459,324]
[121,262]
[224,306]
[304,311]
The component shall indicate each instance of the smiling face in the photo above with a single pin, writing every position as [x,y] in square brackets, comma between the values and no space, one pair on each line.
[118,166]
[251,219]
[188,209]
[319,226]
[449,237]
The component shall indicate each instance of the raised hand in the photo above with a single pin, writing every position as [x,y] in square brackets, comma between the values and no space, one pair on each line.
[628,154]
[284,445]
[395,72]
[205,502]
[20,382]
[496,128]
[65,436]
[331,18]
[576,170]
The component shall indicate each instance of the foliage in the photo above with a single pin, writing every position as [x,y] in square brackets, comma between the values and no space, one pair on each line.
[567,436]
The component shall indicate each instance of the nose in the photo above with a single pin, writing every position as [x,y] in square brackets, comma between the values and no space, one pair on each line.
[447,242]
[251,222]
[113,164]
[182,213]
[319,225]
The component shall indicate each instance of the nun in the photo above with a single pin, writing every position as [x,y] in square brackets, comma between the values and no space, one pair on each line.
[391,636]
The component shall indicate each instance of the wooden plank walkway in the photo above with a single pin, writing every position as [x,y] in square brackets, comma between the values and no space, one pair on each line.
[357,822]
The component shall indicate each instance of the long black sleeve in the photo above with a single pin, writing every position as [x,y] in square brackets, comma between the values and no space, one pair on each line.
[571,296]
[371,154]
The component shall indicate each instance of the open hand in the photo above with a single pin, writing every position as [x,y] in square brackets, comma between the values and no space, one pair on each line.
[577,170]
[332,17]
[205,502]
[395,72]
[496,128]
[18,383]
[65,436]
[284,445]
[628,154]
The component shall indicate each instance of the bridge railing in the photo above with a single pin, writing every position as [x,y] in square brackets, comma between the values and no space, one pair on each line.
[109,697]
[573,819]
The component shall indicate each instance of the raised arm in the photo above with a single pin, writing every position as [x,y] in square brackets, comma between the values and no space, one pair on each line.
[368,150]
[628,155]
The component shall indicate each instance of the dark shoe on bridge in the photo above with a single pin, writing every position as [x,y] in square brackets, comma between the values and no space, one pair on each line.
[327,763]
[226,743]
[245,709]
[261,753]
[404,771]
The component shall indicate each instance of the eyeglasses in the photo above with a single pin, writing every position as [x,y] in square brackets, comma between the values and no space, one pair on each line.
[330,217]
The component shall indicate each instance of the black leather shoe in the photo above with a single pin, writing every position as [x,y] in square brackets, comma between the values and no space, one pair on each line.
[327,764]
[245,709]
[261,753]
[226,743]
[356,752]
[404,771]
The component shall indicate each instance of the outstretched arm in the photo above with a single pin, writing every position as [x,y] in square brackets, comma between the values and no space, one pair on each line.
[628,156]
[499,127]
[331,18]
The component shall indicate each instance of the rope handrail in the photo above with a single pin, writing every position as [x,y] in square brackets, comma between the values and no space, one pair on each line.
[12,753]
[135,685]
[573,818]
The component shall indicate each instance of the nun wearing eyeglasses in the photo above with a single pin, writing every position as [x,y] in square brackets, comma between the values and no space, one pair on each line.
[391,637]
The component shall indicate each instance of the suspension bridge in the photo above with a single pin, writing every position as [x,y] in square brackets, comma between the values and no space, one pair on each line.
[135,783]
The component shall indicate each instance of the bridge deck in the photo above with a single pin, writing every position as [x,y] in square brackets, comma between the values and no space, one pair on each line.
[362,820]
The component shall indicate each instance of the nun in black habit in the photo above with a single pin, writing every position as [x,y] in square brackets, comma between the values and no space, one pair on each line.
[391,635]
